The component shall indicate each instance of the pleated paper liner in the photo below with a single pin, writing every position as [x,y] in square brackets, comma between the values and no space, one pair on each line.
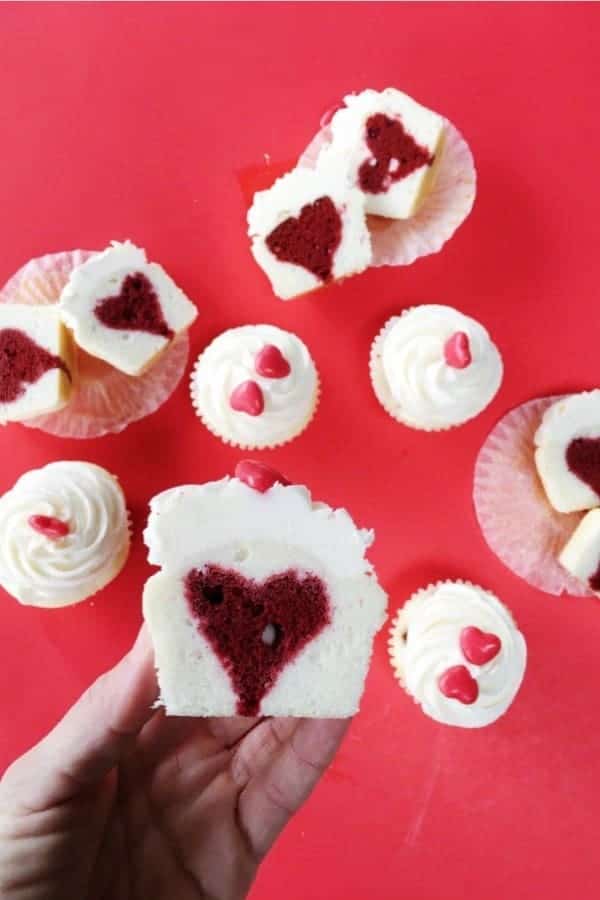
[104,400]
[399,242]
[518,523]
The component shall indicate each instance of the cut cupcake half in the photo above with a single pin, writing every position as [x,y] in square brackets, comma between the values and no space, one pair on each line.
[265,603]
[308,230]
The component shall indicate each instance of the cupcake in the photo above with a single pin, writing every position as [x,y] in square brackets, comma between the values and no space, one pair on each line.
[581,555]
[456,650]
[36,367]
[386,144]
[413,167]
[255,386]
[307,230]
[536,472]
[265,604]
[64,534]
[123,309]
[433,368]
[567,452]
[103,399]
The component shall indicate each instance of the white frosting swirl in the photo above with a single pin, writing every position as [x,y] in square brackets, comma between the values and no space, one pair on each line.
[414,382]
[229,361]
[425,642]
[44,571]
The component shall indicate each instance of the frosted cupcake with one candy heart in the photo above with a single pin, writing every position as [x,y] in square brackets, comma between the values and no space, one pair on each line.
[433,368]
[64,534]
[456,650]
[255,386]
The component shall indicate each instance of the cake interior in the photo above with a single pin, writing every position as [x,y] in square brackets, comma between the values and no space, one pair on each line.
[311,239]
[394,154]
[23,362]
[256,629]
[135,308]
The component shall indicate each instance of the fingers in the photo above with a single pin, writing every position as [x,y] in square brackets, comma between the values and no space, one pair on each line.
[293,759]
[91,738]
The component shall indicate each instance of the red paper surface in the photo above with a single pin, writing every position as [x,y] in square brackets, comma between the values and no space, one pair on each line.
[151,122]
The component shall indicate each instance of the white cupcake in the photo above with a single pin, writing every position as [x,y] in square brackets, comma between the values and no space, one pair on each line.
[433,368]
[255,386]
[265,604]
[64,534]
[456,650]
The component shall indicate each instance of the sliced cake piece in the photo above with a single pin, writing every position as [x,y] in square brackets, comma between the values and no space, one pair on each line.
[123,309]
[581,555]
[35,362]
[387,145]
[265,603]
[307,230]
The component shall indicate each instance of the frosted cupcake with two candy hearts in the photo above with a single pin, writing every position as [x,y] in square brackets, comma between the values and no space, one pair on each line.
[433,368]
[255,386]
[457,651]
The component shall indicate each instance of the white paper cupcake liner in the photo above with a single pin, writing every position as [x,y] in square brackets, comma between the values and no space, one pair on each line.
[104,400]
[231,441]
[517,521]
[399,242]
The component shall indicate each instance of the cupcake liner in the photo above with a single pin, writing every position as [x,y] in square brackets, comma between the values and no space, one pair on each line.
[517,521]
[231,442]
[104,400]
[382,391]
[399,242]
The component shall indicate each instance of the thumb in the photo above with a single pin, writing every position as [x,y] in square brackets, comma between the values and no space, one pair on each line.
[92,737]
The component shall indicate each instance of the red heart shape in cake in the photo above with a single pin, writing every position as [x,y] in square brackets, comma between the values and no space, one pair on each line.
[389,144]
[583,459]
[135,308]
[271,363]
[479,647]
[256,629]
[311,239]
[22,362]
[247,397]
[457,683]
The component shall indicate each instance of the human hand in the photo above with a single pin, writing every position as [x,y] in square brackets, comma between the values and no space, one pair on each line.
[120,802]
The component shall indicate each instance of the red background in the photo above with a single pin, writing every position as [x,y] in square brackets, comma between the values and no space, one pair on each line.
[143,121]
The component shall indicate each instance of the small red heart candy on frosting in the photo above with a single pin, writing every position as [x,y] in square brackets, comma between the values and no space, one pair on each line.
[478,646]
[49,526]
[271,363]
[257,475]
[457,683]
[247,397]
[457,351]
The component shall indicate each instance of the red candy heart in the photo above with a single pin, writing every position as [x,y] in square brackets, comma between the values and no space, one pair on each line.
[457,683]
[49,526]
[271,363]
[257,475]
[22,362]
[135,308]
[583,459]
[247,397]
[256,629]
[310,240]
[479,647]
[457,351]
[389,142]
